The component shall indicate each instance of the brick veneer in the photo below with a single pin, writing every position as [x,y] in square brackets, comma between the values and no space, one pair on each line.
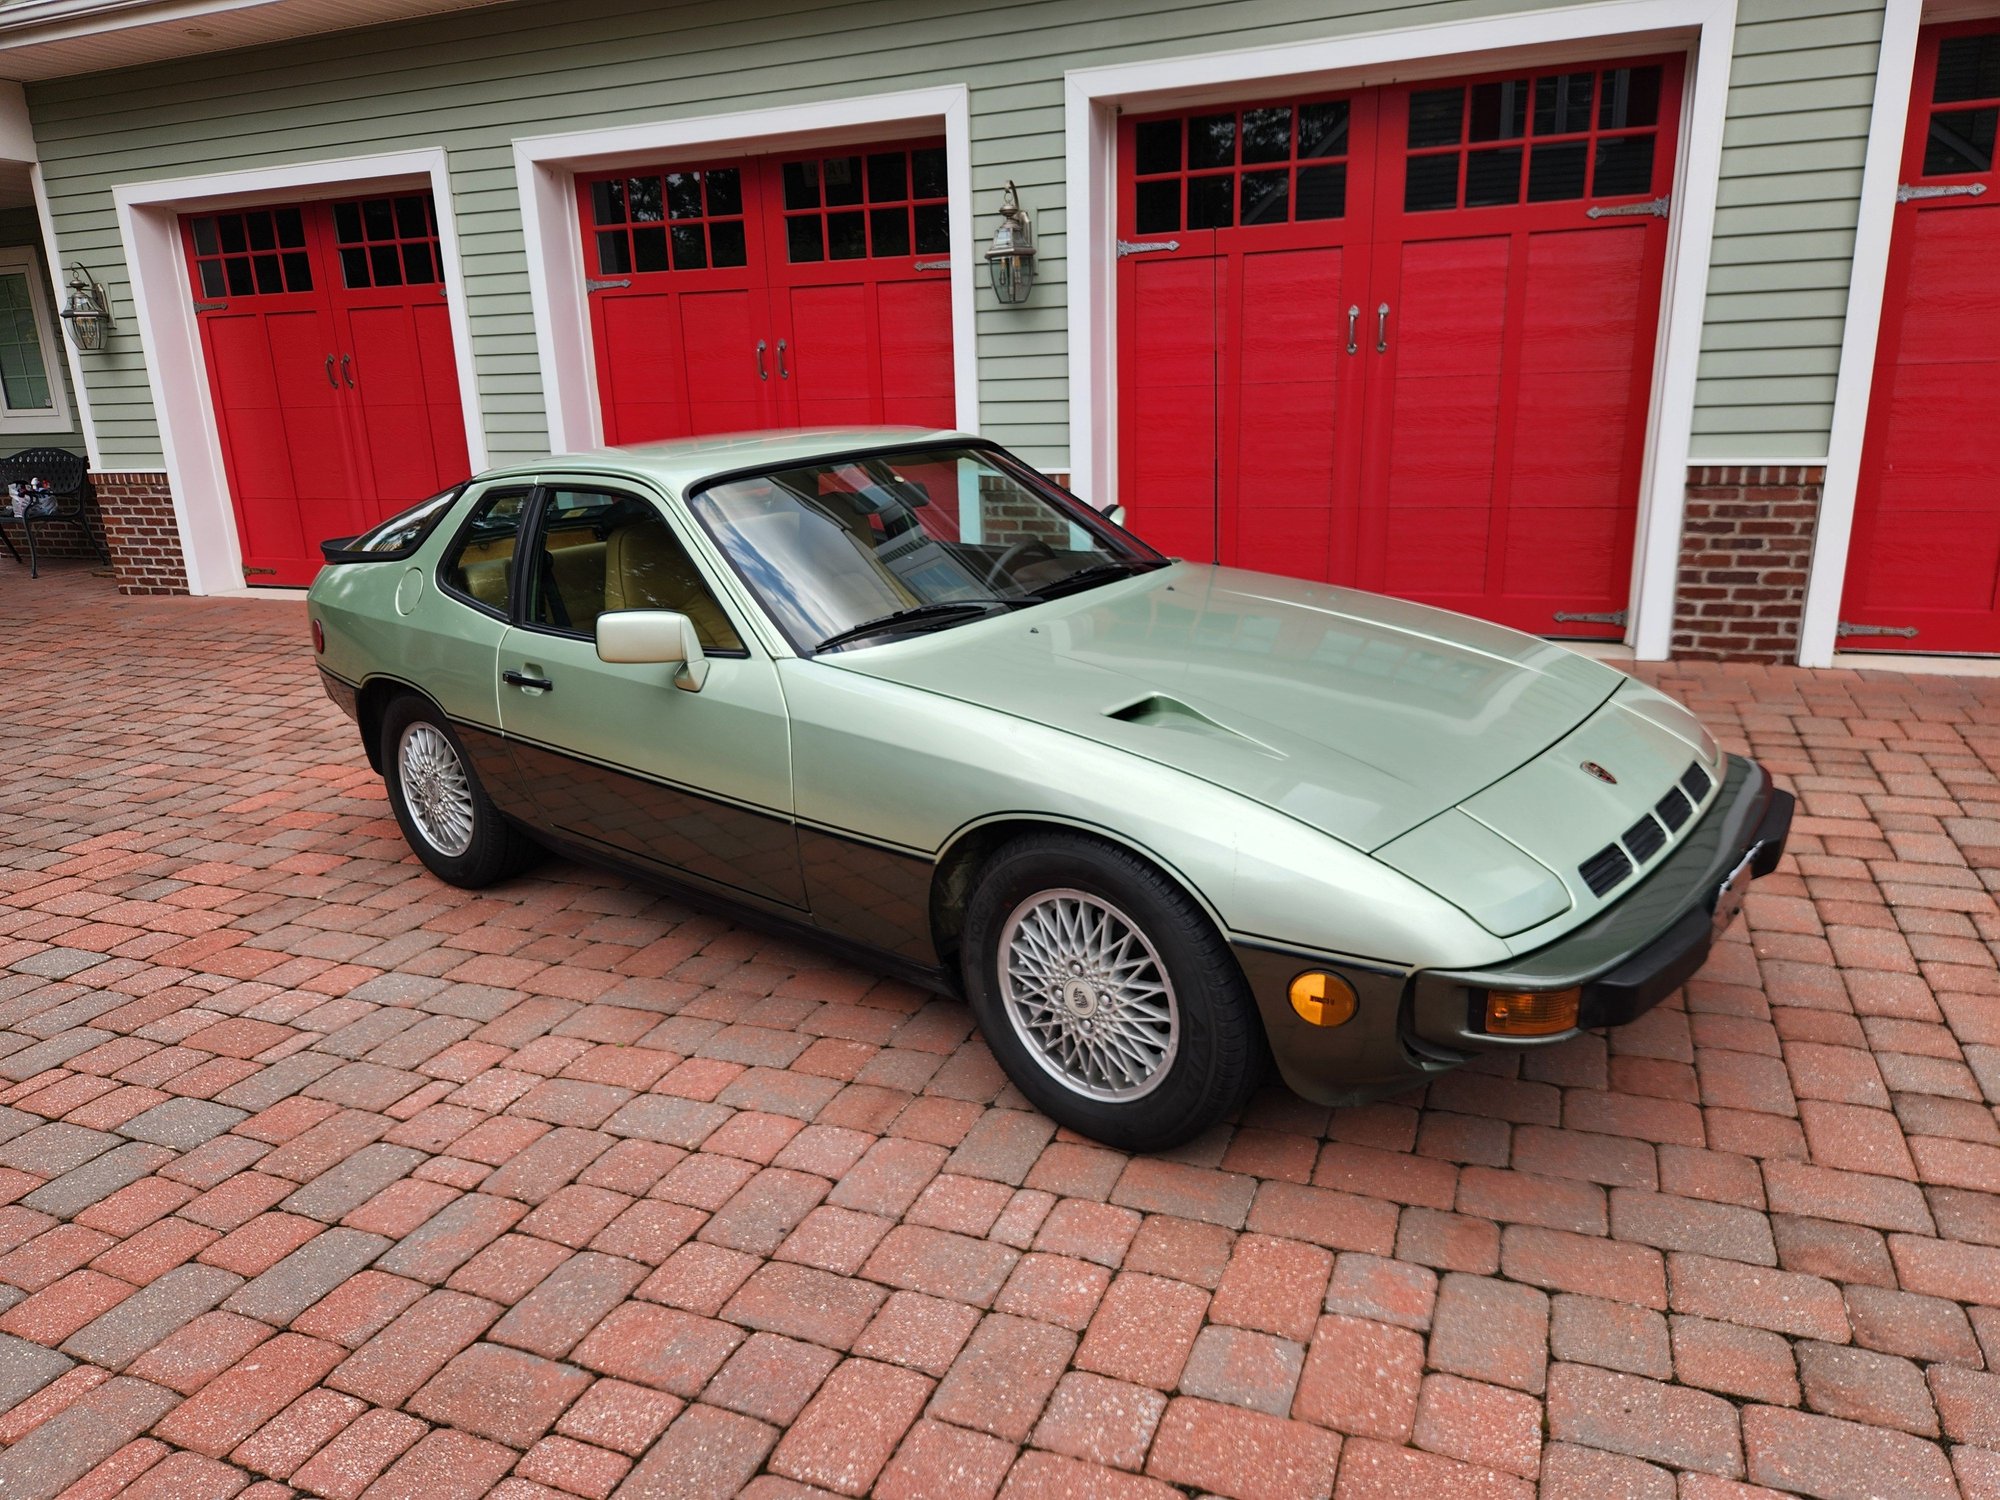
[139,532]
[1746,543]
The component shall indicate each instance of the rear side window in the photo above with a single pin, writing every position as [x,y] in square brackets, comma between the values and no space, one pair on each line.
[402,534]
[479,567]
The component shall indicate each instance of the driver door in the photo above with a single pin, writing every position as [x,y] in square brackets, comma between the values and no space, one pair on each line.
[617,757]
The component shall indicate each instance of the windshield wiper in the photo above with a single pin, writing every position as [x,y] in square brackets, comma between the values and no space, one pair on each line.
[1096,573]
[943,613]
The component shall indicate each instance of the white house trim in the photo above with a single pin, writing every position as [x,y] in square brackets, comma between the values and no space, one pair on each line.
[1867,281]
[148,222]
[1706,28]
[546,167]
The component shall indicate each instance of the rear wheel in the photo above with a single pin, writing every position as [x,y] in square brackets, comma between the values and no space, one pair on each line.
[444,812]
[1107,994]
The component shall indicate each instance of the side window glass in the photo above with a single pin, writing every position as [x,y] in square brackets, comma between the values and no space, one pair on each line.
[600,550]
[480,565]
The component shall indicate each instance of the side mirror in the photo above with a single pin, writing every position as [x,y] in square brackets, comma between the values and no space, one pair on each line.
[653,637]
[1115,515]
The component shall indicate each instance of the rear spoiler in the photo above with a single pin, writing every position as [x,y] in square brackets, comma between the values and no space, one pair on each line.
[334,550]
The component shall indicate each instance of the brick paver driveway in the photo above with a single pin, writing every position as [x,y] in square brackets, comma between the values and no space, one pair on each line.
[320,1174]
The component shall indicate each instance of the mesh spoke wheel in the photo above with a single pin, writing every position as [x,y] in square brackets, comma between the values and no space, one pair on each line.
[436,789]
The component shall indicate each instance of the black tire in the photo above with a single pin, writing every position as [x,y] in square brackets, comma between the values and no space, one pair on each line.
[1218,1047]
[494,848]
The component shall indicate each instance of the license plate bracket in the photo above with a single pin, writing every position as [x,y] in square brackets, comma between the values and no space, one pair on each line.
[1735,886]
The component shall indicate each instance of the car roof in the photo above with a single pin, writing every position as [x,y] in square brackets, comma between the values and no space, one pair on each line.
[685,462]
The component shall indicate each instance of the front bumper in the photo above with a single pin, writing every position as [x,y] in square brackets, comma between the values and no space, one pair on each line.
[1625,960]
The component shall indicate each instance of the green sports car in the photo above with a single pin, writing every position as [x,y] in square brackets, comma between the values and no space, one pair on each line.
[1154,821]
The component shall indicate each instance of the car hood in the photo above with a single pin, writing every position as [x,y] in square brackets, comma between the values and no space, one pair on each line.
[1359,715]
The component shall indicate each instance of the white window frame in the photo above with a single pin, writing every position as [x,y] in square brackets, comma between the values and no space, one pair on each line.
[53,418]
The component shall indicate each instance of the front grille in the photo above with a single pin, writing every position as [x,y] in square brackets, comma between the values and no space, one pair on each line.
[1673,809]
[1605,869]
[1644,838]
[1695,781]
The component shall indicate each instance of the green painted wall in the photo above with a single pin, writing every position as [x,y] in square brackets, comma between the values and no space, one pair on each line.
[472,82]
[19,227]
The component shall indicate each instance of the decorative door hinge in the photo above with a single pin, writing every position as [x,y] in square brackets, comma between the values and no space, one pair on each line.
[605,286]
[932,265]
[1140,247]
[1905,193]
[1615,617]
[1657,209]
[202,307]
[250,572]
[1845,629]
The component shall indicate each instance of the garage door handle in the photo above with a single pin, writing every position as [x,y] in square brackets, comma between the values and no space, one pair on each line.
[347,370]
[762,373]
[331,379]
[1382,329]
[1353,322]
[783,373]
[523,680]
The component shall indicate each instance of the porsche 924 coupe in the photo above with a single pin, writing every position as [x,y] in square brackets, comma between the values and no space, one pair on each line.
[1155,821]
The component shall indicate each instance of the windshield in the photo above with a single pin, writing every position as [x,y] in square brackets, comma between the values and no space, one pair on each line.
[853,550]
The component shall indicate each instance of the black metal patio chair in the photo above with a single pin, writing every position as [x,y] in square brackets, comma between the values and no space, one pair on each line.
[67,476]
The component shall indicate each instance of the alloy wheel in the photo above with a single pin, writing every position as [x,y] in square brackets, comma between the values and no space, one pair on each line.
[436,789]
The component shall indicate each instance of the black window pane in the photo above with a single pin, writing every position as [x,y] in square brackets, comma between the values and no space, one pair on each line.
[1557,172]
[1562,103]
[412,223]
[1968,68]
[684,195]
[1322,192]
[241,283]
[1212,141]
[1624,165]
[644,200]
[347,222]
[1430,182]
[1492,177]
[649,249]
[1267,134]
[231,226]
[1266,197]
[802,186]
[725,192]
[1159,207]
[291,228]
[354,266]
[927,173]
[1961,140]
[211,279]
[1435,116]
[1157,146]
[263,236]
[1629,97]
[417,268]
[846,237]
[802,239]
[725,243]
[690,248]
[1323,129]
[298,271]
[385,265]
[933,229]
[378,219]
[1499,111]
[888,178]
[607,202]
[843,179]
[204,237]
[270,275]
[611,257]
[889,231]
[1208,202]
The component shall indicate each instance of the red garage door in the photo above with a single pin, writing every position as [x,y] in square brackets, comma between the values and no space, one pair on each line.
[753,293]
[331,369]
[1402,338]
[1923,570]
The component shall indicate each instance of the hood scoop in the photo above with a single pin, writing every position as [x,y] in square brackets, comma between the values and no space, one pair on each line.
[1158,711]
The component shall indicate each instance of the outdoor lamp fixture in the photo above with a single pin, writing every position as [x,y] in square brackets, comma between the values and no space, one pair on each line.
[86,311]
[1011,258]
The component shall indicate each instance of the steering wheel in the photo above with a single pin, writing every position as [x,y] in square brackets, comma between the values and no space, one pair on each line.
[1004,563]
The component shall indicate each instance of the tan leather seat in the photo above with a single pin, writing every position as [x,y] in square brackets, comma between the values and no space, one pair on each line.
[646,568]
[488,581]
[579,578]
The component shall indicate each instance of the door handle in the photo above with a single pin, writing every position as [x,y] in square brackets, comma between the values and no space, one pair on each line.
[1382,329]
[783,373]
[1353,321]
[347,370]
[762,373]
[330,380]
[523,680]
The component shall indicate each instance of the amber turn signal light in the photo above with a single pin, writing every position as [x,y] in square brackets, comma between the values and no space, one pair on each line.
[1531,1013]
[1323,999]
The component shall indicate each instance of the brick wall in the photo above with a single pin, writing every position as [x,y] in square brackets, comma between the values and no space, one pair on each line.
[1746,544]
[139,530]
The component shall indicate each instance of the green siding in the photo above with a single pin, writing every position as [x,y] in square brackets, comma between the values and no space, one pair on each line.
[473,82]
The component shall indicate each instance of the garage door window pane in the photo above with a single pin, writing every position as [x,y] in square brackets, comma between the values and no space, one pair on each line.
[1968,68]
[1212,141]
[1499,111]
[1557,172]
[1322,192]
[1630,98]
[1436,116]
[1159,206]
[1961,140]
[1430,183]
[725,243]
[1267,135]
[1323,129]
[24,375]
[1157,147]
[928,171]
[649,249]
[1562,103]
[1266,198]
[1208,202]
[1493,177]
[933,223]
[1624,165]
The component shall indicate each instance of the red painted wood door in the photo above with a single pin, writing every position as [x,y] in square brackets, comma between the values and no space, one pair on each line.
[334,386]
[771,292]
[1923,567]
[1427,372]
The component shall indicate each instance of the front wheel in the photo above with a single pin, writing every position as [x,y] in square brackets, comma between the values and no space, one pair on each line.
[1107,994]
[445,814]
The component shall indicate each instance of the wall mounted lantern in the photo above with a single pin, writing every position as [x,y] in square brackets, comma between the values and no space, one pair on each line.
[87,310]
[1011,258]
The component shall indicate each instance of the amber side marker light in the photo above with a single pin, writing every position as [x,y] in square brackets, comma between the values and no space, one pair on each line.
[1531,1013]
[1323,999]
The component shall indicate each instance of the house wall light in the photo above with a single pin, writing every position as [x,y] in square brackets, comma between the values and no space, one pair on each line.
[1011,257]
[86,310]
